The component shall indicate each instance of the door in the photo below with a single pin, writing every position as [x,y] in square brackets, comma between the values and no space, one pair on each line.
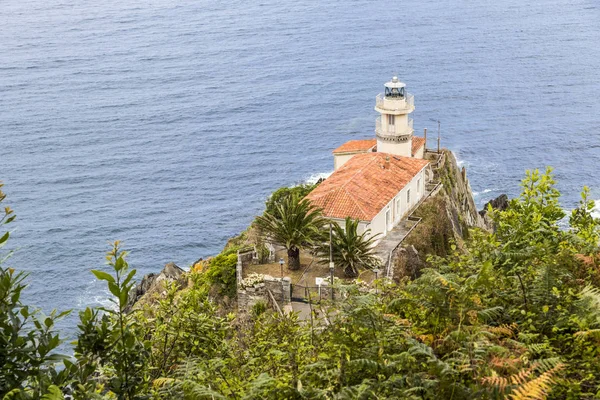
[388,221]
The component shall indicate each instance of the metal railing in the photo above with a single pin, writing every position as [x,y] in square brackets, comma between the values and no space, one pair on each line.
[392,103]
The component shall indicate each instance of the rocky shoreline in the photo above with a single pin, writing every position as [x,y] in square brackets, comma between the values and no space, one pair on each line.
[457,205]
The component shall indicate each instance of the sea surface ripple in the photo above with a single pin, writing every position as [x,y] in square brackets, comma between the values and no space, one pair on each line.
[166,124]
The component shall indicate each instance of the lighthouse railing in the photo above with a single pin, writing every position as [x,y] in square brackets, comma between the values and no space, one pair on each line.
[395,103]
[391,129]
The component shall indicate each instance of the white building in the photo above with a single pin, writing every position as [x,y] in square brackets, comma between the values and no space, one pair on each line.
[378,181]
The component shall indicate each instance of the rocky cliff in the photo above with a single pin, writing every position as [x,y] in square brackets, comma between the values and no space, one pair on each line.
[446,218]
[153,286]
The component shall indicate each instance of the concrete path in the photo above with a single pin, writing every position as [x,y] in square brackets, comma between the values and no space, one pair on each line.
[393,239]
[303,309]
[398,234]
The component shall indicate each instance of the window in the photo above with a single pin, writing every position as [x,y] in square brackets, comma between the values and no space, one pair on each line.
[391,122]
[408,196]
[419,186]
[398,202]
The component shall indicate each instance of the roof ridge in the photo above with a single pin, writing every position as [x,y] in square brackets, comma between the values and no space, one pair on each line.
[361,188]
[373,157]
[356,203]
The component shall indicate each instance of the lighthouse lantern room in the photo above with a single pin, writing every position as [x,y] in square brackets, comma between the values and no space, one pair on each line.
[394,128]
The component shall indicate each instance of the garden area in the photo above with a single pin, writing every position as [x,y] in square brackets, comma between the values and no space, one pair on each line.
[310,269]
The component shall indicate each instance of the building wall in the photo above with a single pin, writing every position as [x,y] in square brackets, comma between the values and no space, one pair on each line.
[417,190]
[341,159]
[399,149]
[400,126]
[420,153]
[362,225]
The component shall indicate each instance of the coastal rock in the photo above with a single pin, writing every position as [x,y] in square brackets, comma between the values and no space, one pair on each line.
[499,203]
[407,262]
[445,218]
[153,285]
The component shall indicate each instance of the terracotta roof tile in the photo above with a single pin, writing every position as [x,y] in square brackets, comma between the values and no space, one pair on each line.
[417,143]
[362,186]
[356,146]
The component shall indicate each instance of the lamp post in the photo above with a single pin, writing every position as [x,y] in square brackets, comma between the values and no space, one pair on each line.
[376,270]
[331,265]
[281,262]
[439,129]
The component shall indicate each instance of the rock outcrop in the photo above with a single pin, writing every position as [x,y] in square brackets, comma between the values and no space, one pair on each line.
[153,286]
[445,218]
[499,203]
[459,197]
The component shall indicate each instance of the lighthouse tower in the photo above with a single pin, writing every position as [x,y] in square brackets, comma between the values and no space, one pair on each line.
[394,128]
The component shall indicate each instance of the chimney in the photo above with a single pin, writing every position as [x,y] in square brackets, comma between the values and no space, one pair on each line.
[386,165]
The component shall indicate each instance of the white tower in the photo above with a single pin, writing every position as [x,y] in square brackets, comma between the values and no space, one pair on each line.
[394,129]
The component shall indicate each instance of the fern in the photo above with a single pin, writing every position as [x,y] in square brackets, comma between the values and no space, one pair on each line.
[502,383]
[522,386]
[503,330]
[538,388]
[490,314]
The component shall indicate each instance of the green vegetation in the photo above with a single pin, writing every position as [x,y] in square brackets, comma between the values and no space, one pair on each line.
[295,225]
[350,250]
[219,276]
[434,234]
[511,314]
[277,198]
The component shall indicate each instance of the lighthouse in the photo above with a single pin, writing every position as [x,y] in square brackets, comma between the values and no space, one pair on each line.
[394,127]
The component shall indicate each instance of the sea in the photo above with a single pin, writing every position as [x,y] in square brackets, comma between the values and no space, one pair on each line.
[166,124]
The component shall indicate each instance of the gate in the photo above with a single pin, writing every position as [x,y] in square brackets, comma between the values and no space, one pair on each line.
[308,294]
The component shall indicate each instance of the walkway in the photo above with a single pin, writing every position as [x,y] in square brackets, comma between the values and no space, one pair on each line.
[393,239]
[396,236]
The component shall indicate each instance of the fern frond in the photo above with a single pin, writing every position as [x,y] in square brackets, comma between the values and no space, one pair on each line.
[589,298]
[595,333]
[546,364]
[538,348]
[538,388]
[490,314]
[160,382]
[503,330]
[501,383]
[590,293]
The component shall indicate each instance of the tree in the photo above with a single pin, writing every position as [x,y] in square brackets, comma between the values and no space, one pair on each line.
[296,224]
[350,250]
[281,194]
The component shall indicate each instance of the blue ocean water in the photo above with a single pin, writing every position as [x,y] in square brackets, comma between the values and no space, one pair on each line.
[166,124]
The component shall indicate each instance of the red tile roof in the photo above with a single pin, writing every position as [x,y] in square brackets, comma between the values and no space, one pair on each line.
[356,146]
[417,143]
[362,186]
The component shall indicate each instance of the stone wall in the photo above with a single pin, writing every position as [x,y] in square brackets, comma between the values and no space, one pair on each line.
[250,294]
[243,260]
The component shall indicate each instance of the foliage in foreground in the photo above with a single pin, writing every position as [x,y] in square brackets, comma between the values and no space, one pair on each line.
[517,315]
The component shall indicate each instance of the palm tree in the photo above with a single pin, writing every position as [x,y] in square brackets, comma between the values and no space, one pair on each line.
[350,250]
[295,224]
